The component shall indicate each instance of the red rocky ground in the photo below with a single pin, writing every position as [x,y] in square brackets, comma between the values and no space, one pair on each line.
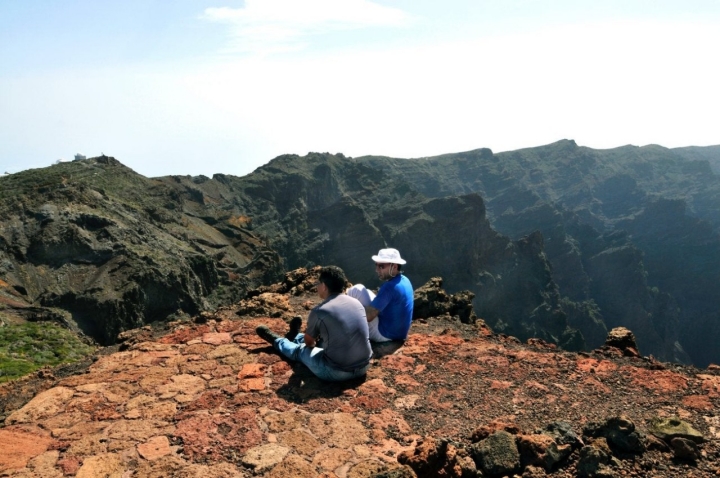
[211,399]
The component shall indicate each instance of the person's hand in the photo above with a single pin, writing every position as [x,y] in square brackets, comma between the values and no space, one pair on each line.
[371,312]
[309,341]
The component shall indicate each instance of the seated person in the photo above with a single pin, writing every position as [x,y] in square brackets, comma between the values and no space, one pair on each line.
[335,345]
[389,314]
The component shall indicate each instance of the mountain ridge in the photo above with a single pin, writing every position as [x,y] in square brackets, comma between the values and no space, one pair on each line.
[468,217]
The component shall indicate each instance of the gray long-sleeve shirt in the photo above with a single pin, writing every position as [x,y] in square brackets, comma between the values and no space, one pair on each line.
[341,325]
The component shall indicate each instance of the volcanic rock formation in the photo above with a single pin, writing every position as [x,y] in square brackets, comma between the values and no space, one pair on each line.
[558,242]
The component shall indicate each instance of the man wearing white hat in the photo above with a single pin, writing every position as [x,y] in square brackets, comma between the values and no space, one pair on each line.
[389,314]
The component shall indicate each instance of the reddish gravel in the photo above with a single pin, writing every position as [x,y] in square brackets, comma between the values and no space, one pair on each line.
[212,400]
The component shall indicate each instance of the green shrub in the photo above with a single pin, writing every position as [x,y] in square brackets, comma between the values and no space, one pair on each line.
[27,347]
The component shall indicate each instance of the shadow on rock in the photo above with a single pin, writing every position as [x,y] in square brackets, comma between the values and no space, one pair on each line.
[303,386]
[381,349]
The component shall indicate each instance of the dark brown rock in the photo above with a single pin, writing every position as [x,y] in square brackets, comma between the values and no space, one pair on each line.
[432,301]
[433,458]
[685,449]
[497,454]
[623,339]
[593,462]
[619,432]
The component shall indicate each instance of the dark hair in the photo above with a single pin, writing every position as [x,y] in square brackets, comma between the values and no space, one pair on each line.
[334,278]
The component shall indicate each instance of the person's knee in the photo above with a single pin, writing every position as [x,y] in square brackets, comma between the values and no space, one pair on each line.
[290,349]
[356,290]
[361,293]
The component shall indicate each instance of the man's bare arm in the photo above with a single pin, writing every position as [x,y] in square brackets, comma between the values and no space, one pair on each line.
[371,312]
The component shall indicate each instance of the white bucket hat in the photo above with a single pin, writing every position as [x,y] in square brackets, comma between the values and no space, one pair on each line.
[389,256]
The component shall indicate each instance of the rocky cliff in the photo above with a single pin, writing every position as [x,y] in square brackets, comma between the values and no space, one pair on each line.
[109,250]
[558,242]
[631,233]
[610,257]
[208,398]
[325,209]
[102,249]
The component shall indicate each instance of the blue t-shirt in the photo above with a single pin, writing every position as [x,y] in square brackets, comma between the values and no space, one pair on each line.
[395,303]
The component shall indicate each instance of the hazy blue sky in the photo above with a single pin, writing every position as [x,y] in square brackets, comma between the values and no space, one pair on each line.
[203,87]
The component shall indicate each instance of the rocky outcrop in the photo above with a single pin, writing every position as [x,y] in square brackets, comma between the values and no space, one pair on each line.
[623,339]
[98,247]
[431,300]
[686,262]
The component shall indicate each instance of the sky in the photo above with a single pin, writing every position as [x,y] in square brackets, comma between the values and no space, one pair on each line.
[193,87]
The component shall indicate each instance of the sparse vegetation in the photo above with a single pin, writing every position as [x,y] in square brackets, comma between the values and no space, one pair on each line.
[27,347]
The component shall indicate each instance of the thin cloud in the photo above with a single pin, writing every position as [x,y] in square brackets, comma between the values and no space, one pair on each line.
[271,26]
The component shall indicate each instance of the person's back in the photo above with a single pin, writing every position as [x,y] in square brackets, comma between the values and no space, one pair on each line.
[336,344]
[395,302]
[341,325]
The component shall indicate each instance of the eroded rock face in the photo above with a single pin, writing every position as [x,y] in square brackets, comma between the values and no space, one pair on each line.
[102,249]
[558,242]
[431,300]
[588,205]
[112,254]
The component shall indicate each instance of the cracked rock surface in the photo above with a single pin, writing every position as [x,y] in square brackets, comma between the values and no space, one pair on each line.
[211,399]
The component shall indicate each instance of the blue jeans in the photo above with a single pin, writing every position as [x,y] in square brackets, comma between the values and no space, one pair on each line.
[297,351]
